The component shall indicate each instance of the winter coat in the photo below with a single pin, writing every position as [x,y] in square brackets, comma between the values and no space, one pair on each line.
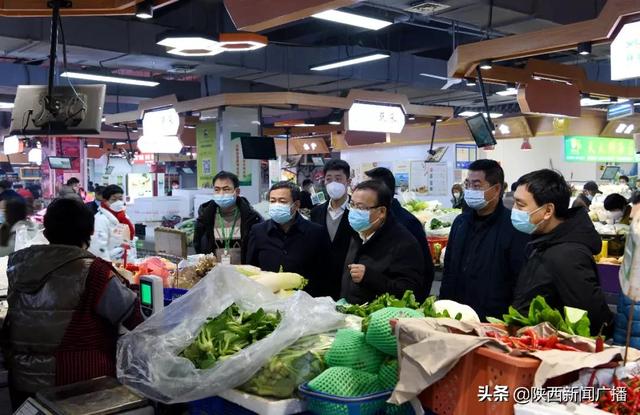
[204,240]
[108,235]
[561,268]
[393,264]
[65,307]
[482,261]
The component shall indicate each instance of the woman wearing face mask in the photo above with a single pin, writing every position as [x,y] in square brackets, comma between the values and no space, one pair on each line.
[560,265]
[457,201]
[288,242]
[113,228]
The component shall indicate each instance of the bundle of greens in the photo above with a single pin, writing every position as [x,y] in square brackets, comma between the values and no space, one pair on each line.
[408,300]
[438,224]
[227,334]
[293,366]
[575,321]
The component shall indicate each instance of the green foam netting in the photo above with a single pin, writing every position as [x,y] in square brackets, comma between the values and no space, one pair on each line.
[350,349]
[333,408]
[388,375]
[379,334]
[345,382]
[405,409]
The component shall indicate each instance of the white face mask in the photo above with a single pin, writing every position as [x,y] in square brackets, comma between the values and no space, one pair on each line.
[117,206]
[336,190]
[456,195]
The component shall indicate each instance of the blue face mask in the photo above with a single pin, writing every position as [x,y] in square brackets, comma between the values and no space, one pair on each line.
[280,212]
[225,201]
[1,217]
[521,220]
[359,220]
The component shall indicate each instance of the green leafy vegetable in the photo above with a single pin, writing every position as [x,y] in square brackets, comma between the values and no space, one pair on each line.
[438,224]
[227,334]
[575,321]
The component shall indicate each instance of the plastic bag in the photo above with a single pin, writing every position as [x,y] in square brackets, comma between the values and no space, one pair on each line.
[147,357]
[28,234]
[290,368]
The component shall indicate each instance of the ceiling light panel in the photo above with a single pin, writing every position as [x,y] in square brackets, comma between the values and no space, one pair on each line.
[352,19]
[349,62]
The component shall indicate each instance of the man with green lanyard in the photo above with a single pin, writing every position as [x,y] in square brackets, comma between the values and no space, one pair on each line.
[223,224]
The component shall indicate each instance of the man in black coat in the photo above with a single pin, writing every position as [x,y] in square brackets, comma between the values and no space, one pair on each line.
[333,216]
[409,221]
[384,257]
[484,253]
[560,264]
[289,242]
[94,206]
[223,224]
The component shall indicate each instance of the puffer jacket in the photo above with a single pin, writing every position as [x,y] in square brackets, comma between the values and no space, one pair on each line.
[65,308]
[41,304]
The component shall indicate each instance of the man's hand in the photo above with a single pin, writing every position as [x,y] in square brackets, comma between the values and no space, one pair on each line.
[357,272]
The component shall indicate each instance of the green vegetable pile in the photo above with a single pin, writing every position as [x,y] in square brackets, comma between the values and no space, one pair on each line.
[438,224]
[574,322]
[416,205]
[408,300]
[188,226]
[228,333]
[284,372]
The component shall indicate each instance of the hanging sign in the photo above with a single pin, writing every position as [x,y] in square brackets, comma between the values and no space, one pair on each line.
[625,53]
[375,118]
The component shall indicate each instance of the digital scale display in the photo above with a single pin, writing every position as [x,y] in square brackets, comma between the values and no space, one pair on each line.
[145,294]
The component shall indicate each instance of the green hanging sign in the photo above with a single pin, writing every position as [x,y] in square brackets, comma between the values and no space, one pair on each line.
[599,149]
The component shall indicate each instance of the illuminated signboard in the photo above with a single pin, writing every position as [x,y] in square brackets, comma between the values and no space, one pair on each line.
[599,149]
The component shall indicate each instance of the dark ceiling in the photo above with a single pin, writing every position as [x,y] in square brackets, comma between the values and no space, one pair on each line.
[418,42]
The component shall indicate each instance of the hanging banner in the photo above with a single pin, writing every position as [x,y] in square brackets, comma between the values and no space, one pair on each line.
[238,164]
[207,153]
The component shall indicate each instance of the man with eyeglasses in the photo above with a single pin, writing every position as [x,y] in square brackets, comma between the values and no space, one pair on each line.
[333,217]
[223,224]
[485,252]
[384,257]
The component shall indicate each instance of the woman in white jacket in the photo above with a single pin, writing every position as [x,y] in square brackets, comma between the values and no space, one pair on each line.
[13,216]
[113,229]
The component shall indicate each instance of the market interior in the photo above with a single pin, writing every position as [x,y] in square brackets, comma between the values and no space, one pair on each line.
[319,207]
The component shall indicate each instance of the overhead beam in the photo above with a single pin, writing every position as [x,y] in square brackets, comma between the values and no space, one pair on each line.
[602,29]
[259,15]
[39,8]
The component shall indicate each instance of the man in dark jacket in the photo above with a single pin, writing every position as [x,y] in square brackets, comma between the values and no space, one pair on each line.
[408,220]
[65,307]
[485,253]
[589,191]
[333,216]
[94,206]
[384,257]
[7,192]
[223,224]
[560,266]
[305,195]
[289,242]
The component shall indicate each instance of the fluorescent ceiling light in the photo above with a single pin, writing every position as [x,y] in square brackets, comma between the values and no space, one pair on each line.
[335,122]
[508,92]
[144,10]
[629,129]
[93,145]
[195,52]
[352,19]
[255,122]
[349,62]
[471,83]
[472,113]
[35,156]
[6,105]
[120,143]
[621,127]
[107,78]
[191,45]
[304,125]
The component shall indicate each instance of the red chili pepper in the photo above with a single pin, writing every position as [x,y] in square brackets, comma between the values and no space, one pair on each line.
[534,337]
[599,344]
[552,341]
[561,346]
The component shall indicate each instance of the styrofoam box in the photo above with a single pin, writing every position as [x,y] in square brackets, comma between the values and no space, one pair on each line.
[191,194]
[198,200]
[153,209]
[264,406]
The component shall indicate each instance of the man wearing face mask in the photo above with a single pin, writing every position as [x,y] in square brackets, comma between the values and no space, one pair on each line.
[289,242]
[384,257]
[589,191]
[223,224]
[333,216]
[560,265]
[485,253]
[112,226]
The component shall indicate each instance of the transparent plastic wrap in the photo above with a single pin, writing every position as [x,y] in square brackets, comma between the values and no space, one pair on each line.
[147,357]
